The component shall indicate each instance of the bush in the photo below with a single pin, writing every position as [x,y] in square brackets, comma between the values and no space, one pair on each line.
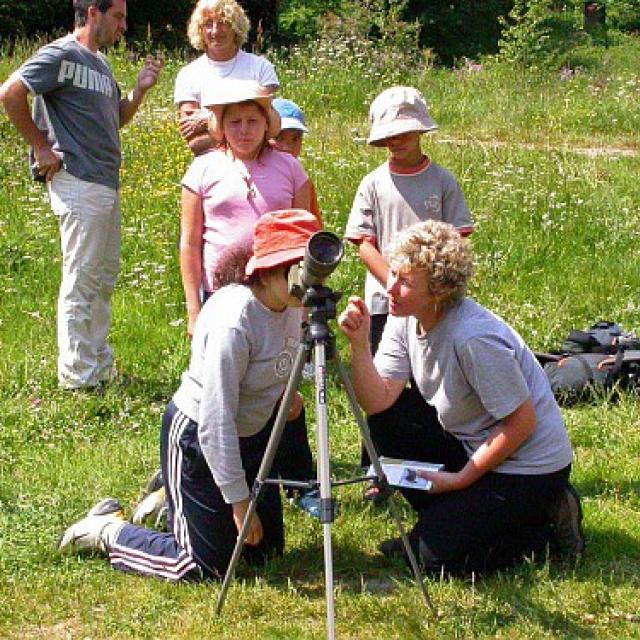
[19,19]
[549,32]
[451,28]
[151,23]
[541,33]
[623,15]
[351,59]
[160,21]
[298,20]
[457,29]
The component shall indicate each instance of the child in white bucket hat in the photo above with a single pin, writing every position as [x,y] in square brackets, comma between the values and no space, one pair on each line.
[407,189]
[396,111]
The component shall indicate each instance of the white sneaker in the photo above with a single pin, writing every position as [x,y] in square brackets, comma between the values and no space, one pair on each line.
[86,534]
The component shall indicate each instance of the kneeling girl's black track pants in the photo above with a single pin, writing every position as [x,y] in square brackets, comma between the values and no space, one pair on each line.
[201,531]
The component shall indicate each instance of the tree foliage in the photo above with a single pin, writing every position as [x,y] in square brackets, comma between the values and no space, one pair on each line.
[150,22]
[452,29]
[456,29]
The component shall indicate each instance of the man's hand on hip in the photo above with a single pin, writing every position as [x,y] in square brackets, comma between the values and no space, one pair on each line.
[48,162]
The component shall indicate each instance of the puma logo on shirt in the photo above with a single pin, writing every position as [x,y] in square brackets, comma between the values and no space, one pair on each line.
[83,77]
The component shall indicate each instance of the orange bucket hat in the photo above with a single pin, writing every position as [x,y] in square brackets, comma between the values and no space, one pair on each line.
[280,237]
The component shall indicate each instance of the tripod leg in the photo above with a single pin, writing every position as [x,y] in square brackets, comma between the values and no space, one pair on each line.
[265,468]
[375,461]
[324,476]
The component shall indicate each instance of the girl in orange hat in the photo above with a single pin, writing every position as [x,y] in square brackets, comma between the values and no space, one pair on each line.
[216,427]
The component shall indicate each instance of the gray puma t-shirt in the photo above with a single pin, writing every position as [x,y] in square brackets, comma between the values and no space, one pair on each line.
[76,106]
[476,370]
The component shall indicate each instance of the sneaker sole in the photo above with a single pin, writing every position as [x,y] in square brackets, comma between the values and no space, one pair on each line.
[102,508]
[576,519]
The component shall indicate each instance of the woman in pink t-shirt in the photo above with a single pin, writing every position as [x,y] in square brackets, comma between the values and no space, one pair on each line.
[226,190]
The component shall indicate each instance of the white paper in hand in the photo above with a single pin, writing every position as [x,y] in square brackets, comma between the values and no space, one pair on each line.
[404,473]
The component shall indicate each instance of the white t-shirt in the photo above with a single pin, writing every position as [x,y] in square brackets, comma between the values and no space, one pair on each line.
[476,370]
[387,202]
[204,71]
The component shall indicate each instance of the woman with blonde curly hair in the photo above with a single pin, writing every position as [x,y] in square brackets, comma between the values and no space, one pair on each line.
[219,28]
[503,493]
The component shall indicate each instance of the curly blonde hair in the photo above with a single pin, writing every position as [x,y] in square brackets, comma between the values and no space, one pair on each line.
[436,249]
[228,10]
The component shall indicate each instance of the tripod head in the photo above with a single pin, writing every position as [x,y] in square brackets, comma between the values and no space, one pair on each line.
[306,281]
[322,255]
[321,302]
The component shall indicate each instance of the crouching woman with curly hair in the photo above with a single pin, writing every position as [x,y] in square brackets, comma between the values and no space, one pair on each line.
[503,494]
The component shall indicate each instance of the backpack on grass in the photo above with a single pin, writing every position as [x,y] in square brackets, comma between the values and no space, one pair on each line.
[599,360]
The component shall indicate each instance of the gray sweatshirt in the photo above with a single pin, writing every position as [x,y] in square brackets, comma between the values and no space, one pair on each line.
[241,357]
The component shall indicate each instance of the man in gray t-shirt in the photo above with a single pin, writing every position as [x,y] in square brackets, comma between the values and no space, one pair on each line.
[75,149]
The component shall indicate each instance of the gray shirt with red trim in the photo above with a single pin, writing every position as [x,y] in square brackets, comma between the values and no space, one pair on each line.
[387,202]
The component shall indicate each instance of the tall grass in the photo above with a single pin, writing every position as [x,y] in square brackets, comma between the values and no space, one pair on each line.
[556,244]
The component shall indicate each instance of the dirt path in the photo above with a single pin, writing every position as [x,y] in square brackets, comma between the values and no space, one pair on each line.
[591,152]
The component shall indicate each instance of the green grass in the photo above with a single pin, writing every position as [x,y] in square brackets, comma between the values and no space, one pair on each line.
[556,244]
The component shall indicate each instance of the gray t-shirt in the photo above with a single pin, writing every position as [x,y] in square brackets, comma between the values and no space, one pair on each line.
[241,357]
[475,370]
[77,108]
[388,202]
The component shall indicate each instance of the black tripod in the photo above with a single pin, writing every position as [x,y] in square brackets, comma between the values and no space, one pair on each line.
[319,342]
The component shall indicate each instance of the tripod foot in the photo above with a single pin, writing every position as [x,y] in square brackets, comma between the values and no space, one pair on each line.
[393,549]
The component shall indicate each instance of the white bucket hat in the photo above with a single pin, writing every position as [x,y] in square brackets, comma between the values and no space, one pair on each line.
[222,94]
[398,110]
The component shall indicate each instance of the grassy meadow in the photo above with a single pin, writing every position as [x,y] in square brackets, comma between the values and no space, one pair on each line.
[557,234]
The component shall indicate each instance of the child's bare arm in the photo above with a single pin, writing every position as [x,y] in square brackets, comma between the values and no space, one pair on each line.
[374,260]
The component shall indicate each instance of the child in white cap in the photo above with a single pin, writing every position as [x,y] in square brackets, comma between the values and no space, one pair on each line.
[408,188]
[292,130]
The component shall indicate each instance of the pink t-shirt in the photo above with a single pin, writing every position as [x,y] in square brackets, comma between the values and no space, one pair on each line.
[236,193]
